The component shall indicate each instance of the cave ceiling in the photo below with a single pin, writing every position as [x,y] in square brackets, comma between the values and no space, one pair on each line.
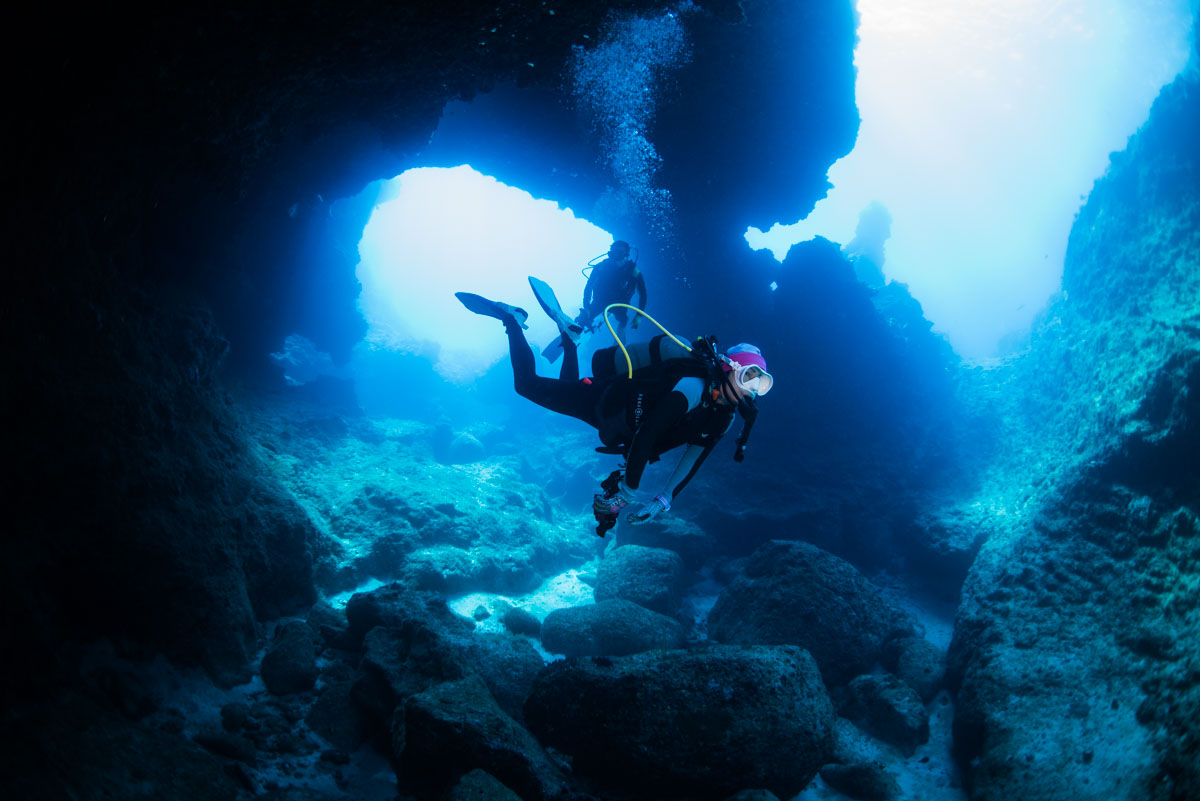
[172,145]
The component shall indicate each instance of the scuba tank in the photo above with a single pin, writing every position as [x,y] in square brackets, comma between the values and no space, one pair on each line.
[610,362]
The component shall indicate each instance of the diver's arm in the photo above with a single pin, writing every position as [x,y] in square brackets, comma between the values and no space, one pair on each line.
[689,463]
[667,412]
[640,289]
[589,294]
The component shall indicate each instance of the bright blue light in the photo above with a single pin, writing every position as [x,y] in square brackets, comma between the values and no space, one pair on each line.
[450,230]
[983,125]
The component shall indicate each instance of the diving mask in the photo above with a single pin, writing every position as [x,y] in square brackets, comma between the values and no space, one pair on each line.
[752,379]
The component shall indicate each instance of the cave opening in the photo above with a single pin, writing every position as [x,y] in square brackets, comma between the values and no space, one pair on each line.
[433,231]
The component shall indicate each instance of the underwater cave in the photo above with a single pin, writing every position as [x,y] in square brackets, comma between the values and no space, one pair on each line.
[281,528]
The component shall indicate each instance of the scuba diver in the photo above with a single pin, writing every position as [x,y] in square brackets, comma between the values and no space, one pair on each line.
[614,280]
[611,283]
[675,395]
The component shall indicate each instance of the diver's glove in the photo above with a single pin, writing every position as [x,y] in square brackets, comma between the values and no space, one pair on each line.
[612,504]
[648,511]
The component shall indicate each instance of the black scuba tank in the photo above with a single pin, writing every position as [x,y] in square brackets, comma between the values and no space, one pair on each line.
[610,362]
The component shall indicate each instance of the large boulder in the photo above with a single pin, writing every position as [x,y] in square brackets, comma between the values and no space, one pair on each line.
[795,593]
[887,708]
[651,577]
[693,544]
[608,628]
[918,663]
[397,606]
[703,724]
[479,785]
[398,663]
[864,781]
[337,718]
[457,727]
[290,663]
[453,570]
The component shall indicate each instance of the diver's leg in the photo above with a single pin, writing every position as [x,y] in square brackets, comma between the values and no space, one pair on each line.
[622,317]
[572,398]
[570,365]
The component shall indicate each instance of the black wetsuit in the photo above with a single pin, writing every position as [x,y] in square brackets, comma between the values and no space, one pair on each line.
[612,281]
[642,417]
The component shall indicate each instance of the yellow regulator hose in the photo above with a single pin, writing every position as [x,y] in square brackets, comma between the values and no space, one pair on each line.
[621,345]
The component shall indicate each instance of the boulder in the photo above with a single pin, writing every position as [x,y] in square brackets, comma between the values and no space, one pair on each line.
[337,719]
[397,606]
[290,663]
[465,448]
[887,708]
[941,545]
[521,621]
[507,664]
[753,795]
[328,623]
[458,727]
[398,663]
[862,781]
[452,570]
[608,628]
[479,785]
[651,577]
[693,544]
[703,723]
[918,663]
[796,593]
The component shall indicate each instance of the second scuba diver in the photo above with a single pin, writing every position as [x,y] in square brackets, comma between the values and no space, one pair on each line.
[681,398]
[614,280]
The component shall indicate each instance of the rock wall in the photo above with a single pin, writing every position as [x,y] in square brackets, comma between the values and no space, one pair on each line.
[1076,641]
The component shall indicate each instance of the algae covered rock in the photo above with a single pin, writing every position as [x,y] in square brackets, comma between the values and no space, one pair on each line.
[703,723]
[457,727]
[796,593]
[651,577]
[608,628]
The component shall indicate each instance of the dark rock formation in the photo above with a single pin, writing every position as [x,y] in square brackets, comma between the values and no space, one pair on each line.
[520,621]
[849,467]
[793,592]
[699,724]
[864,781]
[918,663]
[397,663]
[399,607]
[452,570]
[479,785]
[753,795]
[608,628]
[888,709]
[337,718]
[290,662]
[673,533]
[651,577]
[457,727]
[83,744]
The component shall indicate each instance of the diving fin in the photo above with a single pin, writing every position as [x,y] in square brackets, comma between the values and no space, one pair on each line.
[549,303]
[553,350]
[492,308]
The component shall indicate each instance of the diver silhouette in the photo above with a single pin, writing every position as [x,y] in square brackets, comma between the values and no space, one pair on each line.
[675,396]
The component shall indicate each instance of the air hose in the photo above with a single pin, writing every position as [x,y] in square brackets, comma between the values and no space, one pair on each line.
[621,345]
